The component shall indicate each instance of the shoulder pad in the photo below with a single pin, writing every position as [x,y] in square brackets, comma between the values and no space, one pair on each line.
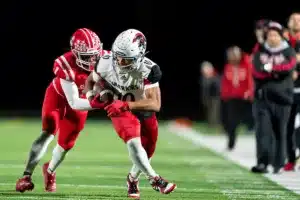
[148,63]
[62,67]
[155,74]
[104,65]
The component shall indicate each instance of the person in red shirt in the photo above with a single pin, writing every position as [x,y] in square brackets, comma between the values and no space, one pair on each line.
[237,88]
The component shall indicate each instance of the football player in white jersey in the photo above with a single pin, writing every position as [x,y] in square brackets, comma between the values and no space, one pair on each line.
[135,80]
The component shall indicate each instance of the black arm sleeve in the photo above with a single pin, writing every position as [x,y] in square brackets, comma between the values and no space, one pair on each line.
[155,74]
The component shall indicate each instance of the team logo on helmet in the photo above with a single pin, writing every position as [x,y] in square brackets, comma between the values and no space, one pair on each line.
[140,38]
[80,45]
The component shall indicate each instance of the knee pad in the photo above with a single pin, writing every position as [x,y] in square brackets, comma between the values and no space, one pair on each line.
[50,122]
[67,140]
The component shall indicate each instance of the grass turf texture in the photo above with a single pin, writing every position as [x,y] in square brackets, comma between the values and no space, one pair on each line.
[97,167]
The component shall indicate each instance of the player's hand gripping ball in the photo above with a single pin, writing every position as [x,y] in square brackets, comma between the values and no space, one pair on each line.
[106,96]
[105,93]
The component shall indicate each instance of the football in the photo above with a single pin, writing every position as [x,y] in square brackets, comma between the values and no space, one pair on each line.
[105,92]
[106,96]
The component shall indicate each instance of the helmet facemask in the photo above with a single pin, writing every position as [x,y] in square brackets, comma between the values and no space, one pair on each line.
[127,64]
[86,60]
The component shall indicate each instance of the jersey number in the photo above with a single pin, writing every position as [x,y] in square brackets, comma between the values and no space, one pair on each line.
[126,97]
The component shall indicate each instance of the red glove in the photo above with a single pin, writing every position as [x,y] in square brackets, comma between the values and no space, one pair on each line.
[96,103]
[116,108]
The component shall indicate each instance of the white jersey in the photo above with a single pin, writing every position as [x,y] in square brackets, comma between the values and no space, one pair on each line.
[130,86]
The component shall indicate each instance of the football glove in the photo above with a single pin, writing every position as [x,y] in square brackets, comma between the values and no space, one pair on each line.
[96,103]
[116,108]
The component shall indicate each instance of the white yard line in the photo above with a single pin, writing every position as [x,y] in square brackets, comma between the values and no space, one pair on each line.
[243,154]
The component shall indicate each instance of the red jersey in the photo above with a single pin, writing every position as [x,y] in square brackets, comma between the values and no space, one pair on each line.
[65,67]
[255,48]
[237,81]
[292,39]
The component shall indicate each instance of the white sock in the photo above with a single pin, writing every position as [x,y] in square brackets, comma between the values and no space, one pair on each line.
[38,150]
[139,157]
[58,155]
[135,172]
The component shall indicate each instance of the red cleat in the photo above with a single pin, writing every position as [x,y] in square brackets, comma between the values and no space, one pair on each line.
[133,188]
[49,179]
[24,184]
[289,167]
[161,185]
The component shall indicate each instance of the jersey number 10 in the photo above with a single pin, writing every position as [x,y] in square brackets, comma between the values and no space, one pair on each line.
[126,97]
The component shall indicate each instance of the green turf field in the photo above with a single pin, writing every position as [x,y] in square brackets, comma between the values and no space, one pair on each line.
[98,165]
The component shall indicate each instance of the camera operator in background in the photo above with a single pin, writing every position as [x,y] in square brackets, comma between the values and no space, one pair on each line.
[210,83]
[236,93]
[293,36]
[274,62]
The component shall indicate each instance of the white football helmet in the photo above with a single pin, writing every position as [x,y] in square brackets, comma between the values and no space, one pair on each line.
[129,50]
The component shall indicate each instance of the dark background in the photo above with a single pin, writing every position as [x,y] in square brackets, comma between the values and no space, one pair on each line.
[180,35]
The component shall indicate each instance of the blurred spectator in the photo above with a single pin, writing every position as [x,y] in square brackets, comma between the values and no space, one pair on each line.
[293,36]
[236,92]
[260,32]
[209,83]
[273,64]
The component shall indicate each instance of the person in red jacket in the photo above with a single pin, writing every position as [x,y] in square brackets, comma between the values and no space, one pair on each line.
[237,89]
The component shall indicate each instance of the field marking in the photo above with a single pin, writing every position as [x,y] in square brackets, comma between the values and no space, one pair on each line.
[243,155]
[116,187]
[34,197]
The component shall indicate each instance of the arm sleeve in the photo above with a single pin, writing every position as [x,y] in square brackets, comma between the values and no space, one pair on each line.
[290,64]
[257,69]
[71,92]
[96,76]
[255,48]
[250,81]
[153,77]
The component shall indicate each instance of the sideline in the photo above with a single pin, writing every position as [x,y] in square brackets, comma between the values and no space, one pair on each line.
[243,154]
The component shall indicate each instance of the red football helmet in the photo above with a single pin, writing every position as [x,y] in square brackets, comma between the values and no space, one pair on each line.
[86,46]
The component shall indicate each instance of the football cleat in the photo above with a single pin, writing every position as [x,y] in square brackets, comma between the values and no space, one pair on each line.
[278,170]
[260,168]
[161,185]
[24,184]
[133,187]
[289,167]
[49,179]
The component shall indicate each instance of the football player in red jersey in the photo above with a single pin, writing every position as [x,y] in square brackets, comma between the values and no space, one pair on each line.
[64,107]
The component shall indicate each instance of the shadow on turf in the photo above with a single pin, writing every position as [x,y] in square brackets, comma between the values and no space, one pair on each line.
[10,193]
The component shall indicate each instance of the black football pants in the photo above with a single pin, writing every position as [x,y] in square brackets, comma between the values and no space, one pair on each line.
[291,134]
[271,121]
[235,112]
